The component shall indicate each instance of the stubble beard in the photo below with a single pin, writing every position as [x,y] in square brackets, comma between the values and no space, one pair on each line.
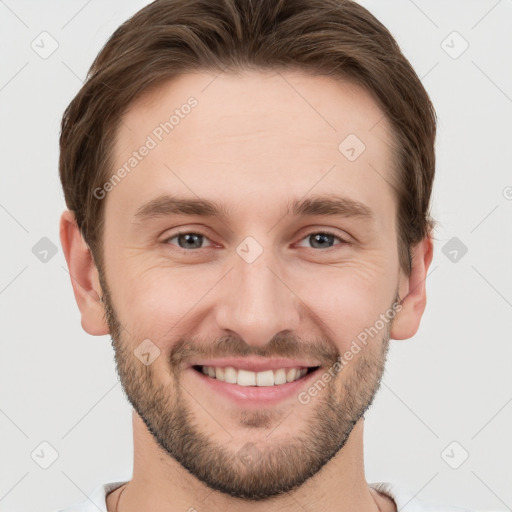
[259,470]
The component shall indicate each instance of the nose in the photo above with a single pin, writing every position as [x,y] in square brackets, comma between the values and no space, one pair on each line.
[257,303]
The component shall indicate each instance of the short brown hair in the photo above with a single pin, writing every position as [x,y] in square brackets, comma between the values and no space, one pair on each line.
[338,38]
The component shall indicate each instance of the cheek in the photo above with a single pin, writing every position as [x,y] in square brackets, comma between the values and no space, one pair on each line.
[161,302]
[347,300]
[156,302]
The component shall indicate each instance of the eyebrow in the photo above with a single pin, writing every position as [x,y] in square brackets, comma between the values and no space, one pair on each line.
[328,205]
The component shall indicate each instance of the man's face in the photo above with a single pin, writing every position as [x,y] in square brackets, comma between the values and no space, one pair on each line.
[263,287]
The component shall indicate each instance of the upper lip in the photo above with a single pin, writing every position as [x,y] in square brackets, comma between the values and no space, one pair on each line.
[255,364]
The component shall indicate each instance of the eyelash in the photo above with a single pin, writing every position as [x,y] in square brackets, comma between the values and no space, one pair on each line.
[322,232]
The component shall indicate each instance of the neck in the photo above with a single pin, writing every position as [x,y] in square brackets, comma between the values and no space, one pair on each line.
[161,483]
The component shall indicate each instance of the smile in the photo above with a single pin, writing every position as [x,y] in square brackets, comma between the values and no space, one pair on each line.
[242,377]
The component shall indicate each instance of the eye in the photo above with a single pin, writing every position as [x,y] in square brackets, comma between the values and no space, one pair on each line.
[188,240]
[323,239]
[191,240]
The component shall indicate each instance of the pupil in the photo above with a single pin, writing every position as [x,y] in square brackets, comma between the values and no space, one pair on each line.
[188,240]
[321,236]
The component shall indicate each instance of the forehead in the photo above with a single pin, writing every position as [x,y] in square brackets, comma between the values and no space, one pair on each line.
[275,134]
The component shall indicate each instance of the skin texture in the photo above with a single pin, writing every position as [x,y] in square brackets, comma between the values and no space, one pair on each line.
[253,144]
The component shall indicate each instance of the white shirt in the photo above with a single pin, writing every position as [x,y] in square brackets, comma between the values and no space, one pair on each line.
[97,500]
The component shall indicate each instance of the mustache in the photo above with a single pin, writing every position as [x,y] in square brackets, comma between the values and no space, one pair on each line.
[287,346]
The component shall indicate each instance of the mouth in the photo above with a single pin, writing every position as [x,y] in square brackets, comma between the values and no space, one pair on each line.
[252,382]
[265,378]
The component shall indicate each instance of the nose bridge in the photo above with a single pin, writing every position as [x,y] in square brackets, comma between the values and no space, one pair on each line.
[257,305]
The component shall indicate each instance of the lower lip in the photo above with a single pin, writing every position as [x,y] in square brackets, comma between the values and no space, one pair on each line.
[256,396]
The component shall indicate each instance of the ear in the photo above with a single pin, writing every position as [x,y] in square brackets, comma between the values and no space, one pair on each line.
[412,290]
[84,276]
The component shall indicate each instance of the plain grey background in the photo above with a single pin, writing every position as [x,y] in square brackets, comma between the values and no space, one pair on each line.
[440,425]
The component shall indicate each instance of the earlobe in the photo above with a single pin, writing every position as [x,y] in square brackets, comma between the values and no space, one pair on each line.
[84,276]
[413,292]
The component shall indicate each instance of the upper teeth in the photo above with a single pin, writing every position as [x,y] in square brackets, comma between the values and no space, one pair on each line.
[247,378]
